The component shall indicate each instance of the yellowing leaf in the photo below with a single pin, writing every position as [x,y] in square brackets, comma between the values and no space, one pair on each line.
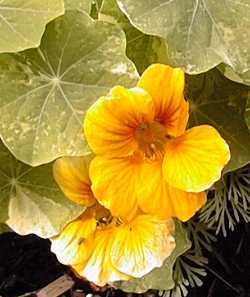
[80,5]
[45,91]
[30,201]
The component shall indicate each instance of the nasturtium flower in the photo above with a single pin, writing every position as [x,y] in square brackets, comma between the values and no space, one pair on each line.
[99,246]
[146,159]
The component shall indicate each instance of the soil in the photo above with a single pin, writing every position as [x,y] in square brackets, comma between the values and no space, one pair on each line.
[26,265]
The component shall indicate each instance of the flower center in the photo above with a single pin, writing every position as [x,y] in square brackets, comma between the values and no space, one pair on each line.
[152,138]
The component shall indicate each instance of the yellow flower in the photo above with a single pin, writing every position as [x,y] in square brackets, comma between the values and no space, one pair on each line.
[99,246]
[145,158]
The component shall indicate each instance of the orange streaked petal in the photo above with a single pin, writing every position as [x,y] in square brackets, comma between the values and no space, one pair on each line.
[110,123]
[114,184]
[71,174]
[166,85]
[158,198]
[141,245]
[69,246]
[194,161]
[99,268]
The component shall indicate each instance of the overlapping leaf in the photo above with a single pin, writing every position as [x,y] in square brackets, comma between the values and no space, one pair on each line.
[30,201]
[243,78]
[142,49]
[159,278]
[45,91]
[22,23]
[200,33]
[220,102]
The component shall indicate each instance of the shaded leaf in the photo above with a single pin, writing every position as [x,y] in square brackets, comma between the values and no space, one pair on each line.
[200,33]
[220,102]
[22,23]
[159,278]
[4,228]
[30,201]
[142,49]
[45,91]
[247,112]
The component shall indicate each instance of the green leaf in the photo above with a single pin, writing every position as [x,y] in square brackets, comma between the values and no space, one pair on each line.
[30,201]
[4,228]
[243,78]
[45,91]
[22,23]
[142,49]
[159,278]
[220,102]
[247,112]
[200,33]
[80,5]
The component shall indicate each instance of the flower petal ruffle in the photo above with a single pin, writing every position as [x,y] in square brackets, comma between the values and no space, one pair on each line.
[114,184]
[194,160]
[142,245]
[110,123]
[166,85]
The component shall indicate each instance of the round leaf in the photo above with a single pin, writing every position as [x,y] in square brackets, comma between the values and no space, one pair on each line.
[243,78]
[159,278]
[80,5]
[142,49]
[45,91]
[30,201]
[22,23]
[200,33]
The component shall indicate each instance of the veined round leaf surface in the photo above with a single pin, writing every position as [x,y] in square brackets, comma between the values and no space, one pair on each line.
[30,201]
[142,49]
[242,78]
[220,102]
[45,91]
[80,5]
[200,33]
[22,23]
[159,278]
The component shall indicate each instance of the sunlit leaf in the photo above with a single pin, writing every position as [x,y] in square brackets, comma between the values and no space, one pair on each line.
[22,23]
[220,102]
[159,278]
[30,201]
[200,33]
[142,49]
[45,91]
[80,5]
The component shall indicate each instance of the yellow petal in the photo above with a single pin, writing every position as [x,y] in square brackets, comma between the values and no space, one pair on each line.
[194,161]
[141,245]
[71,174]
[165,85]
[110,123]
[99,268]
[70,245]
[114,183]
[156,197]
